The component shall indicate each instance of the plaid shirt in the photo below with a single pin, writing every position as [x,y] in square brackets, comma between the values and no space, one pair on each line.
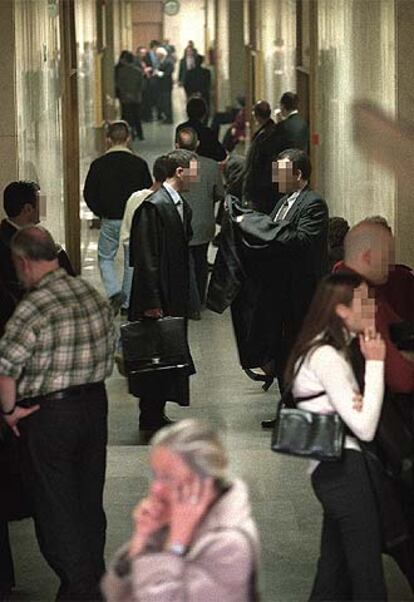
[61,334]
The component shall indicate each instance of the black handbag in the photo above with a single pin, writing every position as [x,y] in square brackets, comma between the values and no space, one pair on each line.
[150,345]
[307,434]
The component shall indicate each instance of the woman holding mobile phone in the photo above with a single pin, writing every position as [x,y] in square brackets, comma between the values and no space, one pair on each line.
[194,537]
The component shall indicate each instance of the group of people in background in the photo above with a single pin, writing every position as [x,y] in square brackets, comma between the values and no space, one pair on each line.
[326,337]
[144,82]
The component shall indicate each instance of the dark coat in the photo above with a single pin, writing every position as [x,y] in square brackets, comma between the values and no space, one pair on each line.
[198,81]
[281,264]
[129,82]
[160,257]
[294,133]
[8,274]
[258,189]
[209,144]
[165,83]
[111,180]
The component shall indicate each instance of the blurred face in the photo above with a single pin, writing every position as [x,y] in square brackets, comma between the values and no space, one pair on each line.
[142,53]
[379,258]
[360,315]
[169,473]
[282,173]
[189,175]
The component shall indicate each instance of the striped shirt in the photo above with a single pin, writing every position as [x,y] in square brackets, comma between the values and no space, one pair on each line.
[60,335]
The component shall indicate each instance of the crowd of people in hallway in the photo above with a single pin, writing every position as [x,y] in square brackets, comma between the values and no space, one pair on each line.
[318,306]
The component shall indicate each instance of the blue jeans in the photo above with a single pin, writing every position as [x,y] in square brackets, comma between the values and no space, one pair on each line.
[127,280]
[107,249]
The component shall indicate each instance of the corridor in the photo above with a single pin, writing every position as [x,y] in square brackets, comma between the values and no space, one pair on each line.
[284,506]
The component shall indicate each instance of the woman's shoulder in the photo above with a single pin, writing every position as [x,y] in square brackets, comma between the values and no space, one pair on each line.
[324,355]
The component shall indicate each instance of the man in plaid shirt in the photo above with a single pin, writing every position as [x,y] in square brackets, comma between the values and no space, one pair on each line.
[54,356]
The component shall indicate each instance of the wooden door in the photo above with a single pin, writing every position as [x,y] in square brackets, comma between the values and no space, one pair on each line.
[147,22]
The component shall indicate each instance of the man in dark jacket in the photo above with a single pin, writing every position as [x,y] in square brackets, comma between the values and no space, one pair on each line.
[160,233]
[163,84]
[209,145]
[294,131]
[110,182]
[21,205]
[258,188]
[129,83]
[198,81]
[282,258]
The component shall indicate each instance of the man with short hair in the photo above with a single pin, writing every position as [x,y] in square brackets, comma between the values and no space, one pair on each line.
[55,354]
[294,131]
[201,196]
[160,233]
[286,255]
[21,205]
[209,144]
[111,180]
[258,189]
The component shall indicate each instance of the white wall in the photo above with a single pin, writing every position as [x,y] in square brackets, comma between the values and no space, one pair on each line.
[188,24]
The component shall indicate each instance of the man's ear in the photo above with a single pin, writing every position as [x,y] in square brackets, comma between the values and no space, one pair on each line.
[367,256]
[179,172]
[299,175]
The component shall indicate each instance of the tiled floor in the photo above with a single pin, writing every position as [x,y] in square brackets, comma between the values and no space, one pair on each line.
[287,513]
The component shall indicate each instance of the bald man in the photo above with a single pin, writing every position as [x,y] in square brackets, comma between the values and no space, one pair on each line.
[55,354]
[369,251]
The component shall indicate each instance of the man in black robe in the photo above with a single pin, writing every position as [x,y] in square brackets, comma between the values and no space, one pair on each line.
[160,233]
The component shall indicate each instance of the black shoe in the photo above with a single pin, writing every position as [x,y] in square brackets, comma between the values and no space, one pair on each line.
[166,421]
[268,424]
[151,427]
[195,315]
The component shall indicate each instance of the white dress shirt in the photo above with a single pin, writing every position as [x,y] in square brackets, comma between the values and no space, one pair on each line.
[176,197]
[286,206]
[327,369]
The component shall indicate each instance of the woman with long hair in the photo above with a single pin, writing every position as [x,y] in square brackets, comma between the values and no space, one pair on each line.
[350,564]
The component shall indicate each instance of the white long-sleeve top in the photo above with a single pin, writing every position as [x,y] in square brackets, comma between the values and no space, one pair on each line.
[327,369]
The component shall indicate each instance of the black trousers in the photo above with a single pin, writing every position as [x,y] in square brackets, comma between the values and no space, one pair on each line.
[151,412]
[7,580]
[350,563]
[64,461]
[199,253]
[131,113]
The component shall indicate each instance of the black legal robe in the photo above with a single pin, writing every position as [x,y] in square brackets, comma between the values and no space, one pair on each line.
[159,255]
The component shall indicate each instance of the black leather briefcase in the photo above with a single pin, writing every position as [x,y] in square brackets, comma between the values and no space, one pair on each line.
[150,345]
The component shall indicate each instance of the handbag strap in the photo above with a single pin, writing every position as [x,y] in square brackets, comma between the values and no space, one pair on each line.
[288,390]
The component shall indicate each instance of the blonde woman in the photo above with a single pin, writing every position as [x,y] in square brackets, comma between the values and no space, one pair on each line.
[194,537]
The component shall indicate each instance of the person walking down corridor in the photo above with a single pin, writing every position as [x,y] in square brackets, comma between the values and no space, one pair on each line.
[194,535]
[110,181]
[129,84]
[55,354]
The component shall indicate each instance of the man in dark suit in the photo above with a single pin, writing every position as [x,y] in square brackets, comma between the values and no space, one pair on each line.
[294,131]
[258,188]
[294,239]
[163,84]
[21,205]
[198,81]
[209,145]
[160,233]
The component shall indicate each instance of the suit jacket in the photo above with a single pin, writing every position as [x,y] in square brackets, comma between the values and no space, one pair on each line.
[8,274]
[198,80]
[202,196]
[294,133]
[209,144]
[258,189]
[284,262]
[160,257]
[165,83]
